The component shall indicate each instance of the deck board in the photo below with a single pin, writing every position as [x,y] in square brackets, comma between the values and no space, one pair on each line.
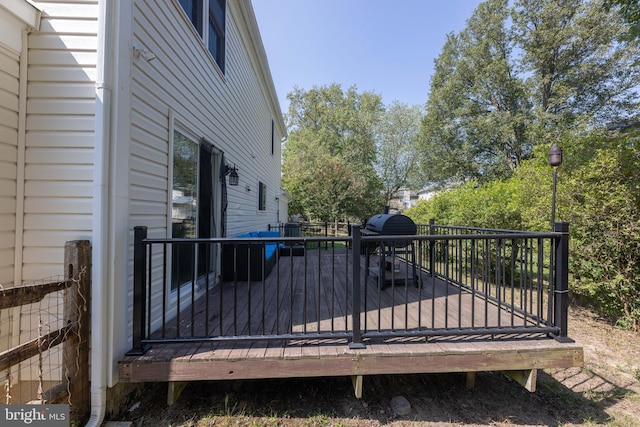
[314,299]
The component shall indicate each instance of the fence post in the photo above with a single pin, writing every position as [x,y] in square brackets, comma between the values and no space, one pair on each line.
[561,292]
[356,343]
[139,290]
[432,246]
[75,350]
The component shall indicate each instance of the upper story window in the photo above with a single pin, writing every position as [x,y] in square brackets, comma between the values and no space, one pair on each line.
[208,18]
[273,137]
[262,196]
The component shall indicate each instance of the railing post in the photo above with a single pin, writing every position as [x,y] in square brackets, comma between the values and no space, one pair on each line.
[561,292]
[432,246]
[356,343]
[139,290]
[326,234]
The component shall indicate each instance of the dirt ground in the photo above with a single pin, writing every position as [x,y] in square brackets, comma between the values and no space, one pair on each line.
[605,392]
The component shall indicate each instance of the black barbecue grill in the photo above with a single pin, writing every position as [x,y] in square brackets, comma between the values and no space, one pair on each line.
[391,225]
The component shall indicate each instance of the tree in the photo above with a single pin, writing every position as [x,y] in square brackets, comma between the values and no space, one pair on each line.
[332,137]
[397,135]
[333,190]
[474,126]
[343,122]
[579,74]
[558,69]
[630,12]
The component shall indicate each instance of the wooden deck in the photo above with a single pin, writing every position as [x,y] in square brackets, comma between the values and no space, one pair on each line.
[308,300]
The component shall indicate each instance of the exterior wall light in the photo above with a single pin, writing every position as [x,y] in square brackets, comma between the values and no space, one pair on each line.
[233,175]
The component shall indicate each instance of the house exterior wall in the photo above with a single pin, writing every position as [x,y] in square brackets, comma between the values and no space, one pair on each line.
[9,74]
[59,143]
[17,17]
[97,136]
[11,28]
[183,88]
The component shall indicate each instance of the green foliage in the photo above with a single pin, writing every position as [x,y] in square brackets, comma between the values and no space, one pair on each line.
[630,11]
[334,190]
[492,205]
[598,194]
[604,211]
[538,71]
[329,155]
[524,75]
[397,135]
[474,128]
[582,75]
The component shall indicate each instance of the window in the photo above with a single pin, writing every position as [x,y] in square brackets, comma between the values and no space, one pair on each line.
[273,147]
[193,9]
[216,31]
[213,33]
[262,196]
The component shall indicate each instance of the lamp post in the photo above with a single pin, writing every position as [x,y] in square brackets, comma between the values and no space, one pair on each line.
[555,160]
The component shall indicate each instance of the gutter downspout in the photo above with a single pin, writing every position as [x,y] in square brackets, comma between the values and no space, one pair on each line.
[21,160]
[101,240]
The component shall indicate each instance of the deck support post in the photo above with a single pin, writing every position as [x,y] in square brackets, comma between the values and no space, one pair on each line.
[174,390]
[471,380]
[526,378]
[356,342]
[357,381]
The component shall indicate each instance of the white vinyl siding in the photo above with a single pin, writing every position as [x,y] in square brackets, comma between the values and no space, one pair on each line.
[9,92]
[184,87]
[231,111]
[59,134]
[16,18]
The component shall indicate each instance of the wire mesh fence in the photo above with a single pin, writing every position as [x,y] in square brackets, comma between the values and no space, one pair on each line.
[44,337]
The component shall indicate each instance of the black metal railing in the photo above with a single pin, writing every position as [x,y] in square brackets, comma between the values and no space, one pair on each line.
[444,282]
[312,229]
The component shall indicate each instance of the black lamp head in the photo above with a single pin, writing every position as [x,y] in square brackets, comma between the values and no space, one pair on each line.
[555,156]
[233,175]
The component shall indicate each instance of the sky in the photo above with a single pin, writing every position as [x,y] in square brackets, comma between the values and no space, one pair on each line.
[383,46]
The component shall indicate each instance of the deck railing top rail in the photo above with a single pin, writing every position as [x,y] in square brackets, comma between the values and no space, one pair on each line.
[433,228]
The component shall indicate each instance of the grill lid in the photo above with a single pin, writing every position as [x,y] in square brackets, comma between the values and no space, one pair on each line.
[391,224]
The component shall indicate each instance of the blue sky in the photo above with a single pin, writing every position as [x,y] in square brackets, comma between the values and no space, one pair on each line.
[384,46]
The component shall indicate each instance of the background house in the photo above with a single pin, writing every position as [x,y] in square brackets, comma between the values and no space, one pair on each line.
[108,108]
[403,199]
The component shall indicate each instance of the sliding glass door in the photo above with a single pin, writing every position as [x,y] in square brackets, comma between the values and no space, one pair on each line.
[192,208]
